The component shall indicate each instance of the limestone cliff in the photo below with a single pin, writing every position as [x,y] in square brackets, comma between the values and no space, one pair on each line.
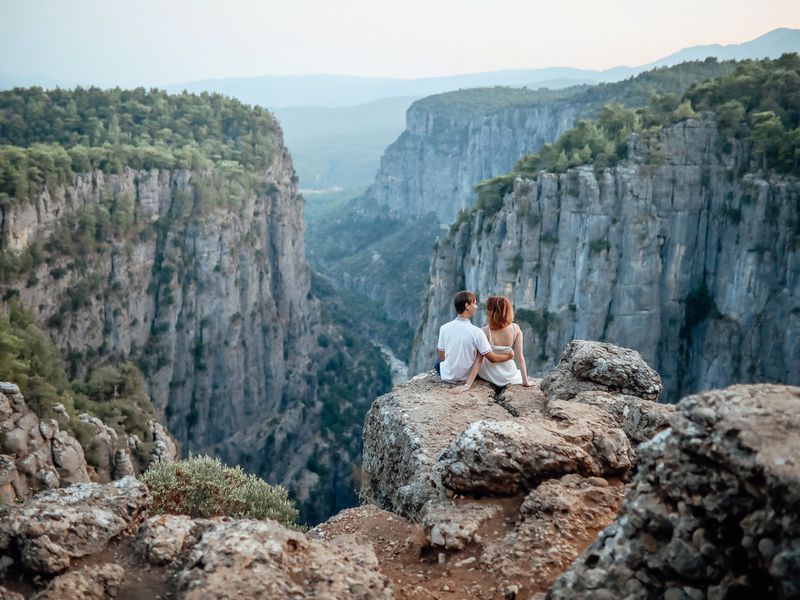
[684,252]
[207,290]
[453,141]
[436,162]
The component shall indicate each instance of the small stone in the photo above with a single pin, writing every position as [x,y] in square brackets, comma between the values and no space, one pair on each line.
[442,558]
[767,548]
[437,539]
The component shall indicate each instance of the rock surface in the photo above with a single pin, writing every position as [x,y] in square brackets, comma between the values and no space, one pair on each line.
[36,455]
[713,511]
[56,526]
[520,482]
[97,582]
[268,560]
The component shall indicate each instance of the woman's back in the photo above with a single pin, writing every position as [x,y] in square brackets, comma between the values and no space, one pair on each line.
[501,337]
[501,373]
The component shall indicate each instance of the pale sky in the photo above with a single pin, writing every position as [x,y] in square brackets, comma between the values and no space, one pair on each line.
[158,42]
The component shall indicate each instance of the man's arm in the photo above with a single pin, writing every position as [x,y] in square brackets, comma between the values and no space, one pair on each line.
[493,356]
[441,355]
[485,348]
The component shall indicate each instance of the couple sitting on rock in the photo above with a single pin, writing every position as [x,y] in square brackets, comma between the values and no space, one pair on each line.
[466,351]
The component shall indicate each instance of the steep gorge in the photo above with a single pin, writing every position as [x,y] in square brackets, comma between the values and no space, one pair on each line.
[198,276]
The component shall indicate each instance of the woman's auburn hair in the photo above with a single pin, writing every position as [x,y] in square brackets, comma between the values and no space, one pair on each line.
[500,312]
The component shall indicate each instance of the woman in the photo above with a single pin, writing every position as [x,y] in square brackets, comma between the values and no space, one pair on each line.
[505,337]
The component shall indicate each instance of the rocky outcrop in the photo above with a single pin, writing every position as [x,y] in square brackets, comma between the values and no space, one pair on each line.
[550,466]
[678,252]
[713,510]
[61,542]
[34,454]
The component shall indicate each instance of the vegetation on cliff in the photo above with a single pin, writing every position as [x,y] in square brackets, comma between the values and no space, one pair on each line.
[756,104]
[632,92]
[48,136]
[202,487]
[114,392]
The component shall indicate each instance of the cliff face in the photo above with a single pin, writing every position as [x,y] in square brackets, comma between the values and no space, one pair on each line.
[684,256]
[440,157]
[207,290]
[205,299]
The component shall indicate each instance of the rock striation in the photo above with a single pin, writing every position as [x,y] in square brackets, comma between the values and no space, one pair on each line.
[685,253]
[547,464]
[712,511]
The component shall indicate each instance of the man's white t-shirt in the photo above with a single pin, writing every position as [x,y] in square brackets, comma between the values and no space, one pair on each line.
[460,340]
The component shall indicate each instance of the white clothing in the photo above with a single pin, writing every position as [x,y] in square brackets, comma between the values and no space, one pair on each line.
[500,373]
[461,342]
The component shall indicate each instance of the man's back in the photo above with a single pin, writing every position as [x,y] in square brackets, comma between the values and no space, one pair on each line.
[461,341]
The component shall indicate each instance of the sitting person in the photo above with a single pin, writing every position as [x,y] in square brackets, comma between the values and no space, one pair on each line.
[461,343]
[505,336]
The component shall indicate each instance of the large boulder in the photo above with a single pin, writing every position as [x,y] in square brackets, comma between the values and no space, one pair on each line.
[598,366]
[515,455]
[714,511]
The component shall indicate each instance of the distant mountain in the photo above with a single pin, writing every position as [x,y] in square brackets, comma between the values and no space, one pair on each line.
[769,45]
[339,90]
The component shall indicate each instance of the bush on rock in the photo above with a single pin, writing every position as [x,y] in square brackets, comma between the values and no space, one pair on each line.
[202,487]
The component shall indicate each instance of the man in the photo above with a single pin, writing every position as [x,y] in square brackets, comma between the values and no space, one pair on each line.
[462,346]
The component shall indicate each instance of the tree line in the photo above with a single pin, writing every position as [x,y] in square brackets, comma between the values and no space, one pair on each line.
[48,136]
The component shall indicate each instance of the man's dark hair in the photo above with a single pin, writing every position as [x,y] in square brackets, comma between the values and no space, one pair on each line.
[461,299]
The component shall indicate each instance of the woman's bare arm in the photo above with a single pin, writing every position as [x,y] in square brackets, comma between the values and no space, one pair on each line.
[520,357]
[473,373]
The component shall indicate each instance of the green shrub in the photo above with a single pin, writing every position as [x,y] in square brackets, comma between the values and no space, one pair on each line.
[202,487]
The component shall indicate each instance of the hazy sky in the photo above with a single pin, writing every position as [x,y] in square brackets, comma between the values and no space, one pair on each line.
[156,42]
